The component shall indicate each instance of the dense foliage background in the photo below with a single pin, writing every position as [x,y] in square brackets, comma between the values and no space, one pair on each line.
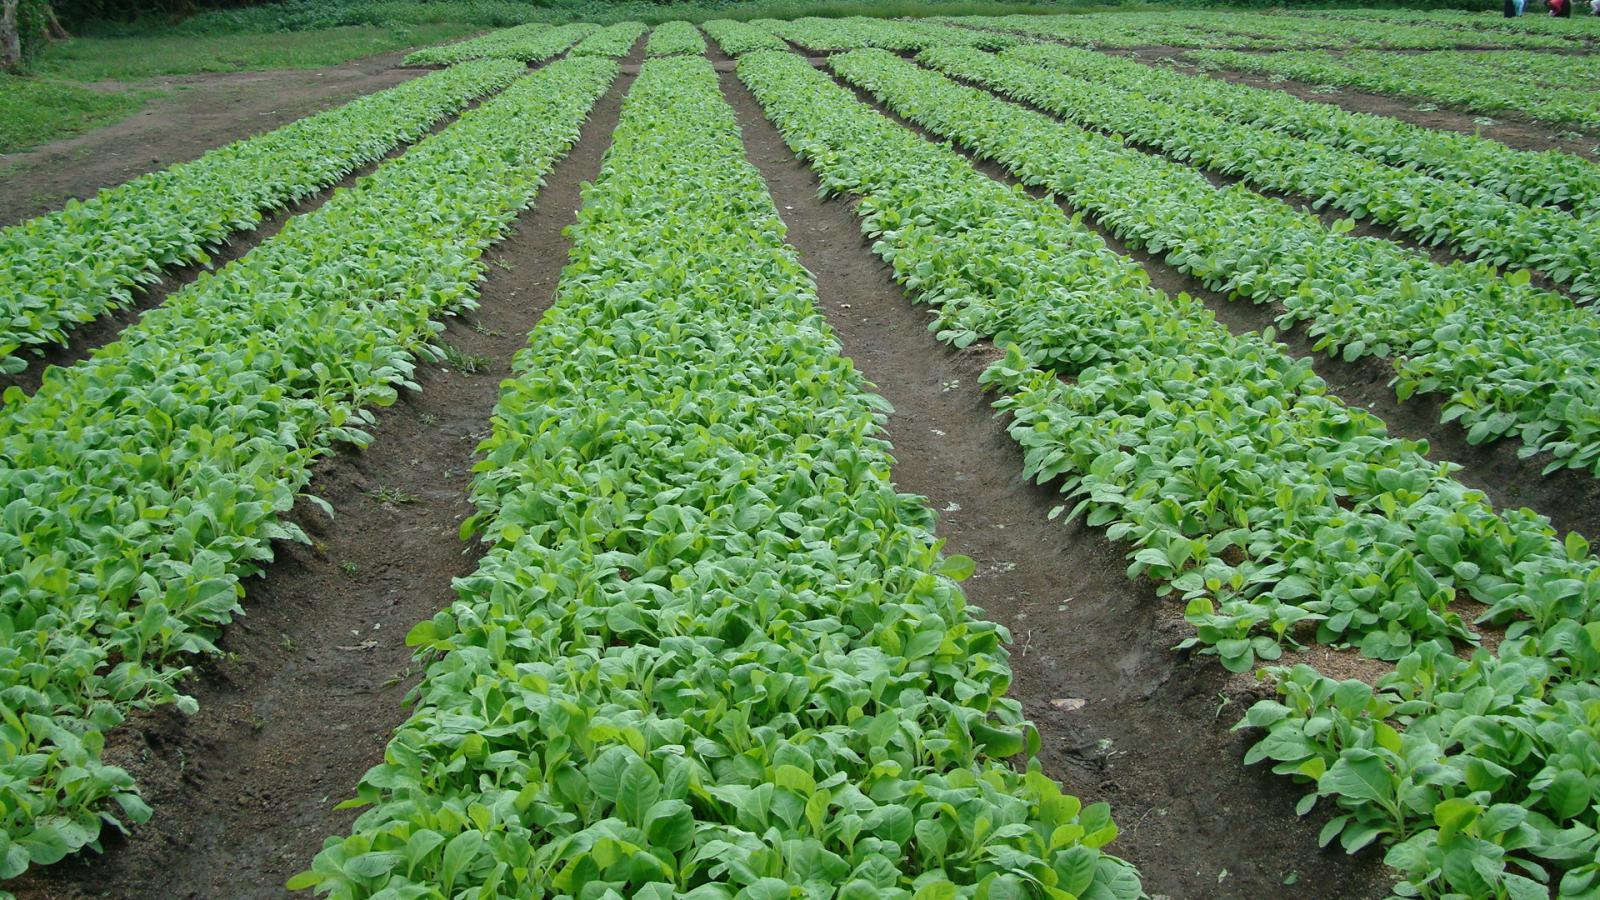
[213,17]
[307,14]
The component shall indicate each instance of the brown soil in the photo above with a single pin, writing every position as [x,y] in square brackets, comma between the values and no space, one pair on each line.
[1148,736]
[316,674]
[198,113]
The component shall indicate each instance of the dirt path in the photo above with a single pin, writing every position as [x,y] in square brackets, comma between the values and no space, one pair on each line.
[1148,736]
[198,113]
[1570,497]
[315,676]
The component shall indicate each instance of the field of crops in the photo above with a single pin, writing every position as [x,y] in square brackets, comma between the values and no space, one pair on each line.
[1080,456]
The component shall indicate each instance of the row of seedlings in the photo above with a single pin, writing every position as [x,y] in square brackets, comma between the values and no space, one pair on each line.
[1276,511]
[712,651]
[1471,220]
[675,39]
[1573,30]
[1513,361]
[737,38]
[1458,79]
[524,43]
[614,41]
[143,484]
[1244,31]
[1543,178]
[856,32]
[72,265]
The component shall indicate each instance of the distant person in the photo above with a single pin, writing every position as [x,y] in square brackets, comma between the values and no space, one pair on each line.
[1519,6]
[1509,8]
[1561,9]
[1594,7]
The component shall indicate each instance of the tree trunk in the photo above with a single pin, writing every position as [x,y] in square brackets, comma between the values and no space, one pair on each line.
[10,40]
[57,32]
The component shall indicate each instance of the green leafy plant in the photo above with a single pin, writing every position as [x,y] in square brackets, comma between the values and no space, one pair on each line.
[1244,30]
[130,522]
[390,496]
[711,652]
[1542,178]
[1474,221]
[738,38]
[857,32]
[1471,27]
[1514,361]
[465,363]
[613,40]
[1527,83]
[673,39]
[530,43]
[71,266]
[1245,488]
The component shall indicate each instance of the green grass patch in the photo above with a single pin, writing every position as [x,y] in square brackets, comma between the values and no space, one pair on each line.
[145,56]
[36,109]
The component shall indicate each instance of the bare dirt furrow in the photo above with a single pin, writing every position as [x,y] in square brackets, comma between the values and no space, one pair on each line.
[1570,497]
[1125,719]
[315,676]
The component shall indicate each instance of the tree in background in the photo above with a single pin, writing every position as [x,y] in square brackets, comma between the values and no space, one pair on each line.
[25,25]
[10,37]
[79,12]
